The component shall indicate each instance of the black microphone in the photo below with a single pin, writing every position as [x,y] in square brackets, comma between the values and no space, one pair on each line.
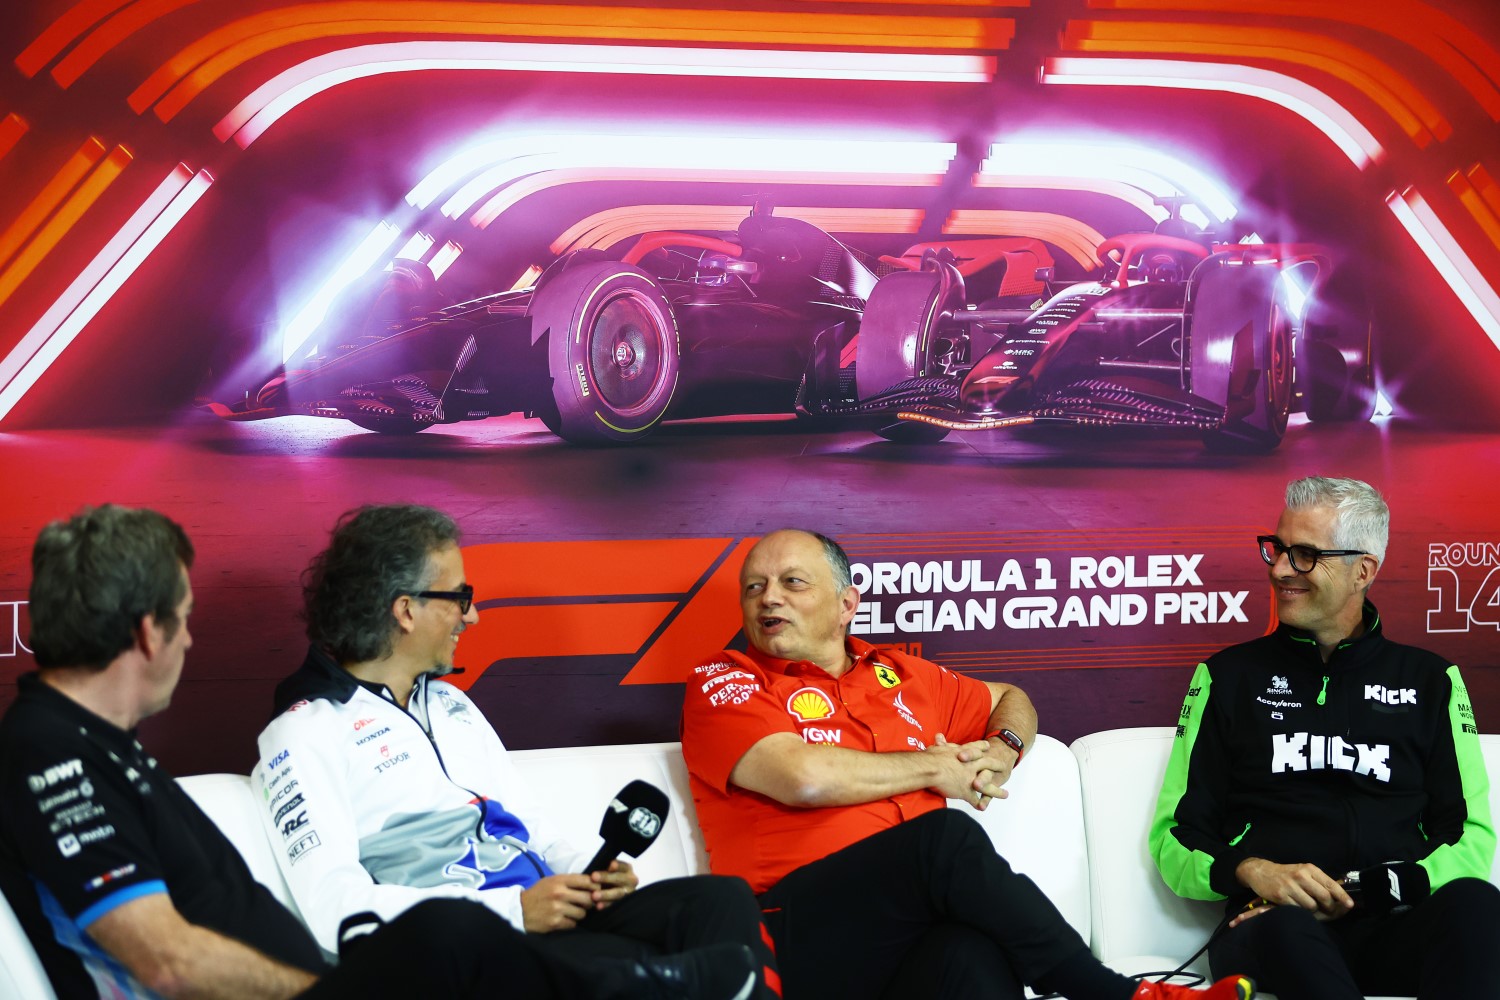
[631,822]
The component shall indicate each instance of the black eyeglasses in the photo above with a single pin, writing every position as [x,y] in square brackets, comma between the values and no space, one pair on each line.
[1302,557]
[463,596]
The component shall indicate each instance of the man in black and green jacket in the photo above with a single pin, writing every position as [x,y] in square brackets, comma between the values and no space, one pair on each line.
[1328,783]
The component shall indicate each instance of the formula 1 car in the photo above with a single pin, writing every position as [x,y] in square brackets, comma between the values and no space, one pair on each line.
[781,317]
[1223,339]
[599,349]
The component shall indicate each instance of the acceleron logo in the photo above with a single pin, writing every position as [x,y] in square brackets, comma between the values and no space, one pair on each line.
[665,602]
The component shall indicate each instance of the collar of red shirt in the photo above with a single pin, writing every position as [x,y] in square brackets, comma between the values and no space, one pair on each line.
[859,650]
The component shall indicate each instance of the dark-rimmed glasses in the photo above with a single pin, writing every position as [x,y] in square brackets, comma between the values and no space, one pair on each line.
[463,596]
[1302,557]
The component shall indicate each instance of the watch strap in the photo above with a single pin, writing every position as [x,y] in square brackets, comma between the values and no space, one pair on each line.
[1011,739]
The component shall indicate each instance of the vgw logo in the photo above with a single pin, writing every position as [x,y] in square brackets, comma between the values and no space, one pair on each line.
[1464,579]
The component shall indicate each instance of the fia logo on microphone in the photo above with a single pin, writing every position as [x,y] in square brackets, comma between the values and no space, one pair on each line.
[644,822]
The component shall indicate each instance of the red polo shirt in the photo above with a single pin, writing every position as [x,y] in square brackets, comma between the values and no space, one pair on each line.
[887,702]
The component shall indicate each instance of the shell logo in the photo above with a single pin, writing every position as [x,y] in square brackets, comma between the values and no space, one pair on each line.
[808,704]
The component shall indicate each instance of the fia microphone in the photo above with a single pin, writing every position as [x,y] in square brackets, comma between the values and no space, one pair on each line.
[631,822]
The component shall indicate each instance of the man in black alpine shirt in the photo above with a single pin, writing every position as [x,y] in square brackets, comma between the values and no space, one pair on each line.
[126,888]
[1329,784]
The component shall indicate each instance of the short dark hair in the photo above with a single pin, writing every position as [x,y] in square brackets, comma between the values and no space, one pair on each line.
[375,554]
[95,576]
[838,561]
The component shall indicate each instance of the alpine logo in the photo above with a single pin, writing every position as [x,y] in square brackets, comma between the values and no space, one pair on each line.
[1310,752]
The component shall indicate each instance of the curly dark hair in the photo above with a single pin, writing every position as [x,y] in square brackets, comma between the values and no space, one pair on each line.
[95,576]
[375,554]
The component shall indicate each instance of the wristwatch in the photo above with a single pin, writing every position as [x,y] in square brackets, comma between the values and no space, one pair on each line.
[1015,742]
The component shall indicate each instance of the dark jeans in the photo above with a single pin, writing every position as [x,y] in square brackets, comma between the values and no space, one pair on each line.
[459,949]
[1445,948]
[924,909]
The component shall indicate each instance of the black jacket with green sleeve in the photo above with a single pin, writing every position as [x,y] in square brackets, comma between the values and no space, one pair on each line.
[1371,757]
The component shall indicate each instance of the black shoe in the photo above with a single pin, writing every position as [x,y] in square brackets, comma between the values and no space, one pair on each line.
[714,972]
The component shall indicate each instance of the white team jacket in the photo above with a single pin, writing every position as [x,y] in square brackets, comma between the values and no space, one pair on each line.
[369,814]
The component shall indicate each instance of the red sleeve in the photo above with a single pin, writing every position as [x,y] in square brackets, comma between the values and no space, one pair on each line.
[966,702]
[726,710]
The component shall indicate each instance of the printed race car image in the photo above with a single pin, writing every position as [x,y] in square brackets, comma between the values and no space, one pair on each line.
[1224,339]
[781,317]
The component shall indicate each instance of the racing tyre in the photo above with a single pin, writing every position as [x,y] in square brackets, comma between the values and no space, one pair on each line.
[1241,335]
[897,337]
[612,351]
[382,424]
[1336,360]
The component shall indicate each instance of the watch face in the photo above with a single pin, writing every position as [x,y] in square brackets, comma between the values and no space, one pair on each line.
[1013,740]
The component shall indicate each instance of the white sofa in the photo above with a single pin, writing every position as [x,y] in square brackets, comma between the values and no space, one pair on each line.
[1075,822]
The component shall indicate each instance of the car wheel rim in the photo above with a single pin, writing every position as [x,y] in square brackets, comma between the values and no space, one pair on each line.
[1279,367]
[627,345]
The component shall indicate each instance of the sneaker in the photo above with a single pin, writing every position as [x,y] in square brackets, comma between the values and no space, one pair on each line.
[714,972]
[1228,988]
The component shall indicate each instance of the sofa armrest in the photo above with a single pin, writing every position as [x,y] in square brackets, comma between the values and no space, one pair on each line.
[1134,914]
[1038,828]
[229,800]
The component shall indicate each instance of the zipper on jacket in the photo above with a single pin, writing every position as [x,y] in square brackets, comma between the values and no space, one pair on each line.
[1323,694]
[1235,842]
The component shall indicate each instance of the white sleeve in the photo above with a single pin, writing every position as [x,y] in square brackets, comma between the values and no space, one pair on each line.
[310,820]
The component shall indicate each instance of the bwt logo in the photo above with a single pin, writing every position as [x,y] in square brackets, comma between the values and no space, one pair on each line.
[1464,579]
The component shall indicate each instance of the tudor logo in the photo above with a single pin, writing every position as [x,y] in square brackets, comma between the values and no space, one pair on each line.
[809,704]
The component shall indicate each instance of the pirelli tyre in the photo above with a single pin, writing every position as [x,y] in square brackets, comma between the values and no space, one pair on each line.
[1241,342]
[612,351]
[1336,356]
[898,334]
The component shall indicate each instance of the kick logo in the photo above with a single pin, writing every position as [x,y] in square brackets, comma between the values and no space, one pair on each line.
[1390,696]
[1310,752]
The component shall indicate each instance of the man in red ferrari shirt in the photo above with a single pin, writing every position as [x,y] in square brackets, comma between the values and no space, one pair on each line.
[821,766]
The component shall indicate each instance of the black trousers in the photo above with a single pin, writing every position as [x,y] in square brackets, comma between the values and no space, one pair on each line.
[924,909]
[1445,948]
[668,917]
[459,949]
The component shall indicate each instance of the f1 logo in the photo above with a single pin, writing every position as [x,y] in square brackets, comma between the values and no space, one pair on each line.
[666,602]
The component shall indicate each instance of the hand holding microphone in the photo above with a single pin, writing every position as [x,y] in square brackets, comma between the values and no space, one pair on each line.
[632,820]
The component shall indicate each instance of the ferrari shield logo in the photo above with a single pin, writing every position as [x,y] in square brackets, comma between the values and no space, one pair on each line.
[886,676]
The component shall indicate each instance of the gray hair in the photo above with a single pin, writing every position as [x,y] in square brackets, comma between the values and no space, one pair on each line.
[1361,518]
[838,559]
